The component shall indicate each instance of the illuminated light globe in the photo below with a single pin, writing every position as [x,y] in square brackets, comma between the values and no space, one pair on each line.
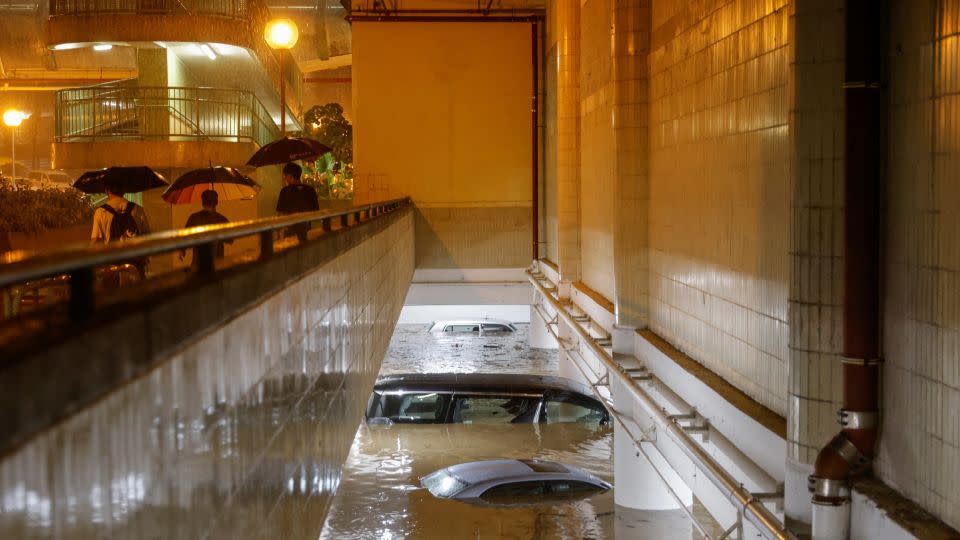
[281,34]
[13,117]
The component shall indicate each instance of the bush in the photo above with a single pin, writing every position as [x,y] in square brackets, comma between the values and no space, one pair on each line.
[36,209]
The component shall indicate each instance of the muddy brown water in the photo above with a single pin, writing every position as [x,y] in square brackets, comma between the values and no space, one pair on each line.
[380,496]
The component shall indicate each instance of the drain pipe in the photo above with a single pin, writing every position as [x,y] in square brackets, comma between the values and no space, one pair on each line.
[851,451]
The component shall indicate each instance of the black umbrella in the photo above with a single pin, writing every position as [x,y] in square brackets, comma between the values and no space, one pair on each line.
[124,179]
[229,183]
[288,149]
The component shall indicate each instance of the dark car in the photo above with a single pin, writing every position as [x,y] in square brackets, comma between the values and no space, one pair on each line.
[475,398]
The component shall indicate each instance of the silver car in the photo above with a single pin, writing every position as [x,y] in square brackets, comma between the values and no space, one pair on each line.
[513,481]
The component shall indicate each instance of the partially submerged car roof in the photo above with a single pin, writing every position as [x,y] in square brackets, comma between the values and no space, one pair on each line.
[478,382]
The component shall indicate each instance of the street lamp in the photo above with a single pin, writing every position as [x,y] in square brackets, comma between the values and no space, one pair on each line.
[13,118]
[282,35]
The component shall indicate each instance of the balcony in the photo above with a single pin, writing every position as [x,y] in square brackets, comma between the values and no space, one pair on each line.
[234,9]
[164,120]
[77,22]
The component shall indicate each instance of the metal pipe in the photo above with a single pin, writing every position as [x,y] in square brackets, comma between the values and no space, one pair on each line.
[19,266]
[851,451]
[535,119]
[753,509]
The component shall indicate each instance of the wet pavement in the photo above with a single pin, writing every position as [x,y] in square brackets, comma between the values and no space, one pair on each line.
[380,497]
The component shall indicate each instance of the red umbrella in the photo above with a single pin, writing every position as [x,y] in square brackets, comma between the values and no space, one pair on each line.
[229,183]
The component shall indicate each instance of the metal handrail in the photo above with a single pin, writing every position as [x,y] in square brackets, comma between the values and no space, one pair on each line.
[752,508]
[79,261]
[195,112]
[234,9]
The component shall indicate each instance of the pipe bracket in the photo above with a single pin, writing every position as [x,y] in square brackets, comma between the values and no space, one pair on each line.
[857,419]
[861,361]
[825,488]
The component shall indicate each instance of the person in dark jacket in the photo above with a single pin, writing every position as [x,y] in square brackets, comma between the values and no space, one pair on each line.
[296,197]
[207,216]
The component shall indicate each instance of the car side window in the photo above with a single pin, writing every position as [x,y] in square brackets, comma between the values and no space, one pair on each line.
[415,408]
[493,409]
[565,408]
[461,328]
[517,489]
[495,329]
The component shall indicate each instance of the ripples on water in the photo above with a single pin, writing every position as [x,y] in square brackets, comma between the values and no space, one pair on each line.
[413,349]
[380,495]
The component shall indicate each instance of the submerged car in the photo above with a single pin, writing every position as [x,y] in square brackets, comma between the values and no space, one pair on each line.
[481,327]
[481,398]
[510,481]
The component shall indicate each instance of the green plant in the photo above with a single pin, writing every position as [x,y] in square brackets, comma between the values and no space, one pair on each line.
[330,181]
[327,124]
[36,209]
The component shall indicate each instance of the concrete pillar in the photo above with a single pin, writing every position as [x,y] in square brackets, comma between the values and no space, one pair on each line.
[637,484]
[631,43]
[152,76]
[816,284]
[566,21]
[538,335]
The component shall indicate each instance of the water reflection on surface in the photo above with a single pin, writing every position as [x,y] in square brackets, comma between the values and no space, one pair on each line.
[380,495]
[415,350]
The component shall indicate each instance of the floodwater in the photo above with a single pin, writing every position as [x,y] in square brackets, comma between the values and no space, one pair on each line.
[415,350]
[380,497]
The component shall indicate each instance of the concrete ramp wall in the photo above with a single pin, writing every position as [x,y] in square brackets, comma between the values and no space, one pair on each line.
[238,432]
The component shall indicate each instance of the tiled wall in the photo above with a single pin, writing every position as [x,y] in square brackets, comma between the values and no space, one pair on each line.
[564,22]
[816,275]
[473,237]
[598,151]
[239,435]
[630,44]
[719,187]
[920,440]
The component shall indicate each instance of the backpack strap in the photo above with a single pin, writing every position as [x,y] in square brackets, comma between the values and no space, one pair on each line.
[109,209]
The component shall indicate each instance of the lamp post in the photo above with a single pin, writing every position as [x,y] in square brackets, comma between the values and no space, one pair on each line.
[13,118]
[281,35]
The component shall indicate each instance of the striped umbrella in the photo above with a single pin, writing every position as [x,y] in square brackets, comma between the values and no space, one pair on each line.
[229,183]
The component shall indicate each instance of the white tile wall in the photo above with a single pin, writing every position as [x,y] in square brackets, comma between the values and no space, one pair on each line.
[816,277]
[719,187]
[920,442]
[241,434]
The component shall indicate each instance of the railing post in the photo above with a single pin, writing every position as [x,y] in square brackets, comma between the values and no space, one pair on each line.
[205,254]
[356,217]
[345,220]
[82,293]
[325,224]
[266,244]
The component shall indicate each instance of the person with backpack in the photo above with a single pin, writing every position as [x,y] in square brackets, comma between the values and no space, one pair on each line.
[117,220]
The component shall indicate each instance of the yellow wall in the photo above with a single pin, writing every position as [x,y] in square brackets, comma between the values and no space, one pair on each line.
[442,114]
[442,111]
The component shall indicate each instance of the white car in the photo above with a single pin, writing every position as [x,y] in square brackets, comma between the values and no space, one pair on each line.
[512,481]
[473,326]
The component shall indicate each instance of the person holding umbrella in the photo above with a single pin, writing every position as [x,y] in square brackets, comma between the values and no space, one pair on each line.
[296,197]
[118,219]
[206,216]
